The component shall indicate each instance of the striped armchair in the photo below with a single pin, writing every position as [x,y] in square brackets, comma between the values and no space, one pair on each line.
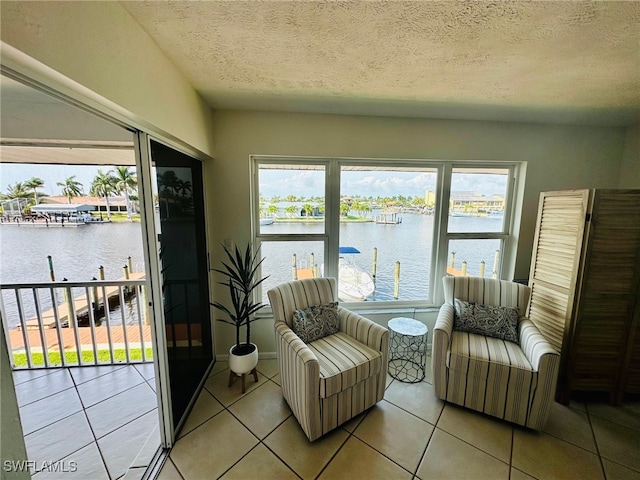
[515,382]
[333,379]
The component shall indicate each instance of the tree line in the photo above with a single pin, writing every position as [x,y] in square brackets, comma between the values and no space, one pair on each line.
[360,205]
[395,200]
[117,181]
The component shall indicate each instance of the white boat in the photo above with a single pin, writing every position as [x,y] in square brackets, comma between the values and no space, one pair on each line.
[266,221]
[354,284]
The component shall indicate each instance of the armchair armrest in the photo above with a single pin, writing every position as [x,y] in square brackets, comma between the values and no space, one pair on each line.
[364,330]
[441,340]
[536,348]
[299,378]
[444,324]
[299,353]
[546,361]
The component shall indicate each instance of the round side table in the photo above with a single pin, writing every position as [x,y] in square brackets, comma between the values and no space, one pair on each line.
[407,349]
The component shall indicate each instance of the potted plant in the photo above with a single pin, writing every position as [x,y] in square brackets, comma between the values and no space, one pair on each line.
[241,272]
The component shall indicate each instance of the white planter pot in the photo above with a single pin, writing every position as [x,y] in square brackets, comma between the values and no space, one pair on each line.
[245,363]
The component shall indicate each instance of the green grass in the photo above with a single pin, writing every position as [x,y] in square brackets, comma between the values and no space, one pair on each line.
[71,358]
[118,216]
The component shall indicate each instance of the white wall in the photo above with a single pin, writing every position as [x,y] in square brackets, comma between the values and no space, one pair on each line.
[557,156]
[100,46]
[11,440]
[630,167]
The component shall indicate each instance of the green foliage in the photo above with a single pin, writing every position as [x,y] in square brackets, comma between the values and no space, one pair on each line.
[71,357]
[241,273]
[70,188]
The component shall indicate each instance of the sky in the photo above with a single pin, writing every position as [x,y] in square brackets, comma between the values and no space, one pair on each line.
[310,183]
[10,173]
[304,183]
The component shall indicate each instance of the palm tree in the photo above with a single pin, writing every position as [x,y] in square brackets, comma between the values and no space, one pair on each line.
[70,188]
[308,208]
[103,185]
[291,210]
[34,184]
[17,190]
[125,181]
[183,187]
[273,210]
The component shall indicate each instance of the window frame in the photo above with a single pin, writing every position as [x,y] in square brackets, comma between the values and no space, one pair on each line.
[441,237]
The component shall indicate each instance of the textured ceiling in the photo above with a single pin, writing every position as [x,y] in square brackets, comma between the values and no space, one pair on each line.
[510,60]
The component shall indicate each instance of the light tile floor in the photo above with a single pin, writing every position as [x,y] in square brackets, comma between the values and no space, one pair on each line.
[410,434]
[98,417]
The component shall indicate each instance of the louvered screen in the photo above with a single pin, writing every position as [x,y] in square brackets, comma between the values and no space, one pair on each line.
[556,257]
[605,315]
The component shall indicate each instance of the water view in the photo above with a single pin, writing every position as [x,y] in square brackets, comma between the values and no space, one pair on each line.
[78,252]
[409,243]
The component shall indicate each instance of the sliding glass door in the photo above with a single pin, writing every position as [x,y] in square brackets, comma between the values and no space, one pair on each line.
[182,287]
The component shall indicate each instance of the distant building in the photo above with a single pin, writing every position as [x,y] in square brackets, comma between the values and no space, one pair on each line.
[429,198]
[473,202]
[469,202]
[14,207]
[116,204]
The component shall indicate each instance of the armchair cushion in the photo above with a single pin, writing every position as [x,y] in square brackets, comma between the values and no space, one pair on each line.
[316,321]
[486,356]
[490,320]
[344,362]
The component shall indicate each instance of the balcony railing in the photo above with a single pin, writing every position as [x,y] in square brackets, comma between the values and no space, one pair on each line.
[57,324]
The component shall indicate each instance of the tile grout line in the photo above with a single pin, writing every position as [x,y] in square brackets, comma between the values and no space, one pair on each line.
[104,462]
[260,442]
[50,371]
[45,397]
[426,447]
[183,435]
[595,441]
[513,439]
[350,434]
[278,456]
[60,419]
[120,367]
[95,440]
[121,426]
[174,466]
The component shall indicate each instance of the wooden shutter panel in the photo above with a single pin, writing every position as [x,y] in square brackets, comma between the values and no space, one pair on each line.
[555,263]
[604,330]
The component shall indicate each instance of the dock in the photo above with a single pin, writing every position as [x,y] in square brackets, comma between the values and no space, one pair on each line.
[388,218]
[85,339]
[80,303]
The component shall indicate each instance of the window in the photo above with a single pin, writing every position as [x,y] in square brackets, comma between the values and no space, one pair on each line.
[386,214]
[291,220]
[385,229]
[477,223]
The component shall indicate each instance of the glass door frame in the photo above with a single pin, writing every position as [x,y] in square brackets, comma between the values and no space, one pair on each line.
[20,67]
[150,233]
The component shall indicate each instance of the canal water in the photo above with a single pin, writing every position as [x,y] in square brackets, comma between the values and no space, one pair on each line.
[78,252]
[409,243]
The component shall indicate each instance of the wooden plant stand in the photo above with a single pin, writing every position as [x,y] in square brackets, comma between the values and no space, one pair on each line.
[234,375]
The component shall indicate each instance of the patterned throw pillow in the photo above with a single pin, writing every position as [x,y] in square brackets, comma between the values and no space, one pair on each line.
[315,322]
[488,320]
